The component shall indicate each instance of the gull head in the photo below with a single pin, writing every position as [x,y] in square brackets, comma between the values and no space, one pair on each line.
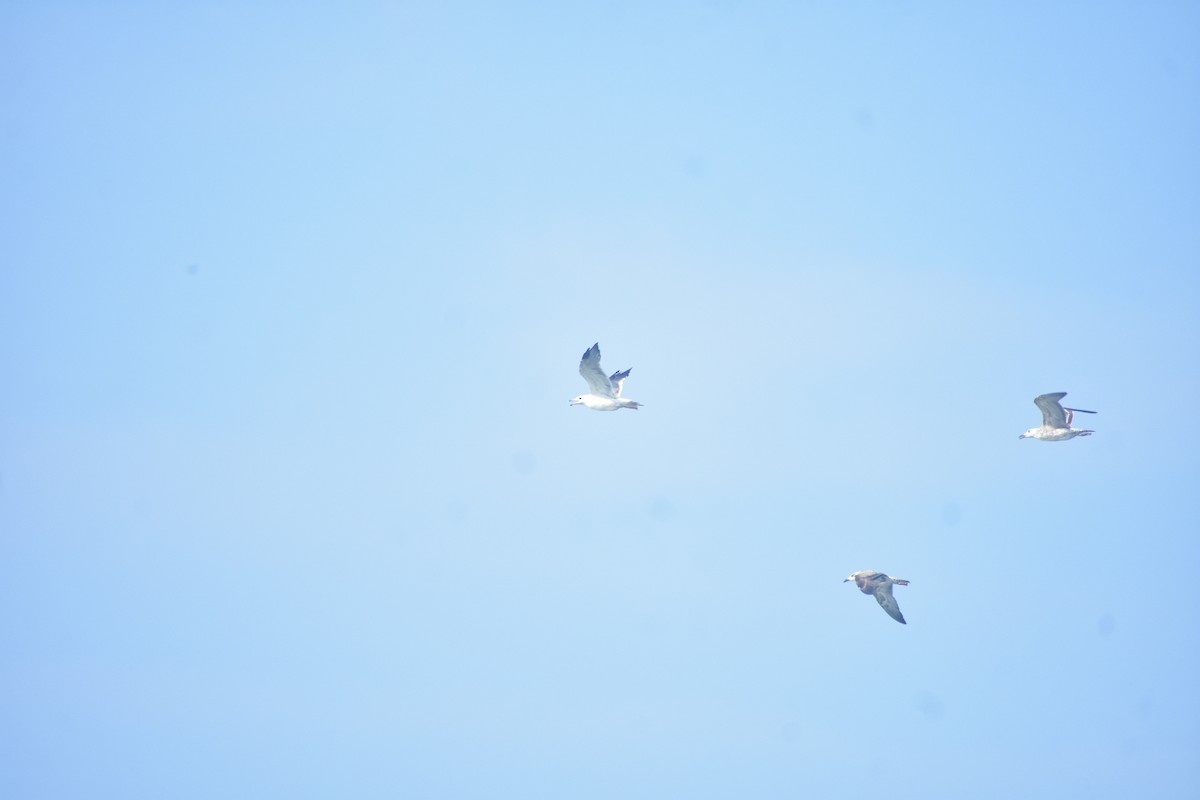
[849,578]
[578,401]
[1029,434]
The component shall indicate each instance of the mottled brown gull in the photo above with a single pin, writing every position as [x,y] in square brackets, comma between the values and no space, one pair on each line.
[872,581]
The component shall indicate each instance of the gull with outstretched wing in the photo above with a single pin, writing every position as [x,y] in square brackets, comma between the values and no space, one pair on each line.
[605,394]
[1056,420]
[872,581]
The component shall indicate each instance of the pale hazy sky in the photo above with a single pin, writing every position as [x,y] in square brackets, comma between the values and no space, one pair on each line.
[292,299]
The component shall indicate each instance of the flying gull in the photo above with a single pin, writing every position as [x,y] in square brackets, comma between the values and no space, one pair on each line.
[605,394]
[1056,420]
[874,582]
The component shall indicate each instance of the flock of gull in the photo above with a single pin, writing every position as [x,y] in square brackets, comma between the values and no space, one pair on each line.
[605,395]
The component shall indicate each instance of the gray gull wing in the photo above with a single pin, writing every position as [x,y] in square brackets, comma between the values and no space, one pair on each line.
[589,368]
[1071,412]
[1053,415]
[883,594]
[618,381]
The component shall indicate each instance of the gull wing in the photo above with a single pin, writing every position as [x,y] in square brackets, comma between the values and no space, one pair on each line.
[1053,415]
[618,381]
[1071,412]
[589,368]
[883,594]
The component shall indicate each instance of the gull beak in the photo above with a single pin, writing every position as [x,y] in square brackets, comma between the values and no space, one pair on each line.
[846,581]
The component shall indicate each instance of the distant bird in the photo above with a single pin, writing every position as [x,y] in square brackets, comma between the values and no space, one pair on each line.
[606,392]
[1056,420]
[874,582]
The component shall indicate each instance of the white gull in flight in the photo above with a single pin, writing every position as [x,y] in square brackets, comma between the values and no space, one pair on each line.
[605,392]
[1056,420]
[872,581]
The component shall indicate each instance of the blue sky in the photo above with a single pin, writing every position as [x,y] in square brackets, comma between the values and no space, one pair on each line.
[291,305]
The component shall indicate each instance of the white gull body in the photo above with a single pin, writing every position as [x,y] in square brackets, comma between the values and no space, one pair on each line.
[872,581]
[605,392]
[1056,420]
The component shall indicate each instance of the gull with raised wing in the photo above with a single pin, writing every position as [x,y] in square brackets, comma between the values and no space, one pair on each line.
[605,394]
[1056,420]
[872,581]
